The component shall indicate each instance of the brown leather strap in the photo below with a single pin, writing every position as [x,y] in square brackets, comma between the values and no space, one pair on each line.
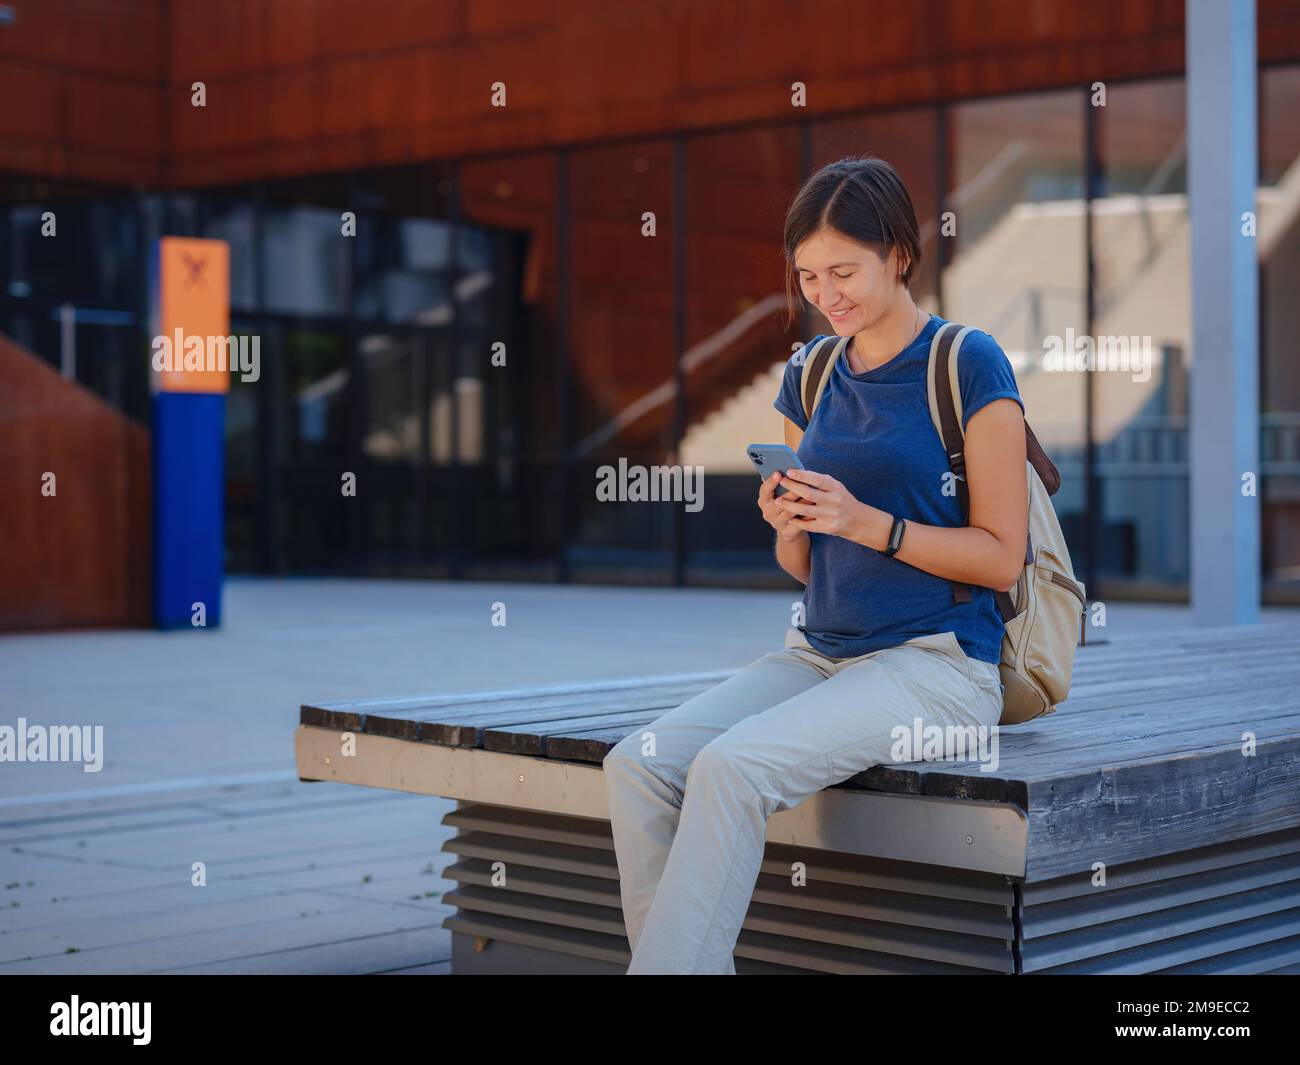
[954,443]
[1047,471]
[1006,606]
[951,435]
[949,428]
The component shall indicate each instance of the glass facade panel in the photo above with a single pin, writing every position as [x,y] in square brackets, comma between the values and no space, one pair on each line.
[306,262]
[738,187]
[621,356]
[1142,271]
[1018,262]
[235,222]
[500,402]
[500,332]
[312,447]
[1278,241]
[245,500]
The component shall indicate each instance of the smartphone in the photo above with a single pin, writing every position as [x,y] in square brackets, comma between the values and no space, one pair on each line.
[773,458]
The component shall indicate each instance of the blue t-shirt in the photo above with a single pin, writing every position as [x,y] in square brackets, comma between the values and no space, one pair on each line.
[872,432]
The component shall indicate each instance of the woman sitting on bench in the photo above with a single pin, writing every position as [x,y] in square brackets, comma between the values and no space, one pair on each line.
[873,529]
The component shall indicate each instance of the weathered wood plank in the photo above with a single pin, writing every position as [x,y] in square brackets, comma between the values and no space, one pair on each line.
[1017,771]
[535,739]
[591,744]
[1160,807]
[416,702]
[452,730]
[1273,714]
[1156,710]
[461,723]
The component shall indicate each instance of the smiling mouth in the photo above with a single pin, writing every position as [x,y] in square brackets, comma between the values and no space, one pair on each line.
[837,315]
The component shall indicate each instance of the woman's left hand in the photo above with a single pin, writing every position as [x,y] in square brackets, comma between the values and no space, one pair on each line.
[827,506]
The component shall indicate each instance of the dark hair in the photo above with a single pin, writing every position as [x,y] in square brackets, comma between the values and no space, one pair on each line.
[864,199]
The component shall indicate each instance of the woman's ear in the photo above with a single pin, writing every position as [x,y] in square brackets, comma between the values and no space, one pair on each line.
[904,263]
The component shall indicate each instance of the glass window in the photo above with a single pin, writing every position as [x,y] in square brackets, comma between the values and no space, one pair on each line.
[111,360]
[1142,291]
[312,419]
[1278,241]
[738,188]
[621,358]
[235,222]
[1018,263]
[503,499]
[395,368]
[404,245]
[306,262]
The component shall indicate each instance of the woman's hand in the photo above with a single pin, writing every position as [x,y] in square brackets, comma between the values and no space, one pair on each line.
[824,505]
[788,527]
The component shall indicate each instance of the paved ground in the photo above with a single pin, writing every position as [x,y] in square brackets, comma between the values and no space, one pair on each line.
[96,869]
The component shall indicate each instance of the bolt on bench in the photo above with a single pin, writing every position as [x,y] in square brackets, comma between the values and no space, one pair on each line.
[930,867]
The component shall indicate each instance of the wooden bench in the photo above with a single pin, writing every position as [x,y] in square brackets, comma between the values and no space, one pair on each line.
[928,867]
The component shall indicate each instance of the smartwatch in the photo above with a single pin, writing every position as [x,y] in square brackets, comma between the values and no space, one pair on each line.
[896,536]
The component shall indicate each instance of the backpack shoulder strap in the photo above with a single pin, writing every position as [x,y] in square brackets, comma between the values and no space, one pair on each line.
[944,394]
[817,371]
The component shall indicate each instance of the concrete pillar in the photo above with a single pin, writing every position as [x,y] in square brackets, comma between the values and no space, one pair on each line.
[1224,410]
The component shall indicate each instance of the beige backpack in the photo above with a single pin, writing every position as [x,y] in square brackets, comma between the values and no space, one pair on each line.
[1044,615]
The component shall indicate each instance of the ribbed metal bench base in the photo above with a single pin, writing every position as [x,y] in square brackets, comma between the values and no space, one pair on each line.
[1229,908]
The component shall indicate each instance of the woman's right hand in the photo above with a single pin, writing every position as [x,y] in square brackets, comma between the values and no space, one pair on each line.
[787,525]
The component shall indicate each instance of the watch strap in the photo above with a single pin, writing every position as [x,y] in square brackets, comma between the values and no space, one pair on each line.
[895,536]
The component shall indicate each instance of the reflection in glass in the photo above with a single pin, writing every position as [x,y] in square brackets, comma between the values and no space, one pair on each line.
[503,418]
[621,353]
[1278,243]
[1018,262]
[306,262]
[738,188]
[1143,286]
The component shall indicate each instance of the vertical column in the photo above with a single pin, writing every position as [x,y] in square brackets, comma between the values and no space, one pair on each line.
[563,379]
[1224,408]
[1092,496]
[192,356]
[680,340]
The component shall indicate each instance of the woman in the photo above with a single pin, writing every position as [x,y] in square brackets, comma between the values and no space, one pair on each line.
[884,643]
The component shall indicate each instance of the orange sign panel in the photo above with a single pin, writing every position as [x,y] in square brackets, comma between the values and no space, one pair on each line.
[191,350]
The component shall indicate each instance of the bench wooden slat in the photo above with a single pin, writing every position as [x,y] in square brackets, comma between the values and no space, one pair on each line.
[416,702]
[449,727]
[534,739]
[458,720]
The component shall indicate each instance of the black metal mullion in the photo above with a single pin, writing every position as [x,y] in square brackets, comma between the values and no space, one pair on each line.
[562,377]
[1092,487]
[679,267]
[943,175]
[7,300]
[1261,332]
[356,507]
[424,341]
[458,541]
[433,376]
[269,405]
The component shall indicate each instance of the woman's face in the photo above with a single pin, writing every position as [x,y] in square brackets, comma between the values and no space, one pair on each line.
[845,280]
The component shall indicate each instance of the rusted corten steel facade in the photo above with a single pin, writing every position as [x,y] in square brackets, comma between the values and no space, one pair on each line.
[304,86]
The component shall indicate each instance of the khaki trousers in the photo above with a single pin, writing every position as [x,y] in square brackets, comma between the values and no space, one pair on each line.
[690,793]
